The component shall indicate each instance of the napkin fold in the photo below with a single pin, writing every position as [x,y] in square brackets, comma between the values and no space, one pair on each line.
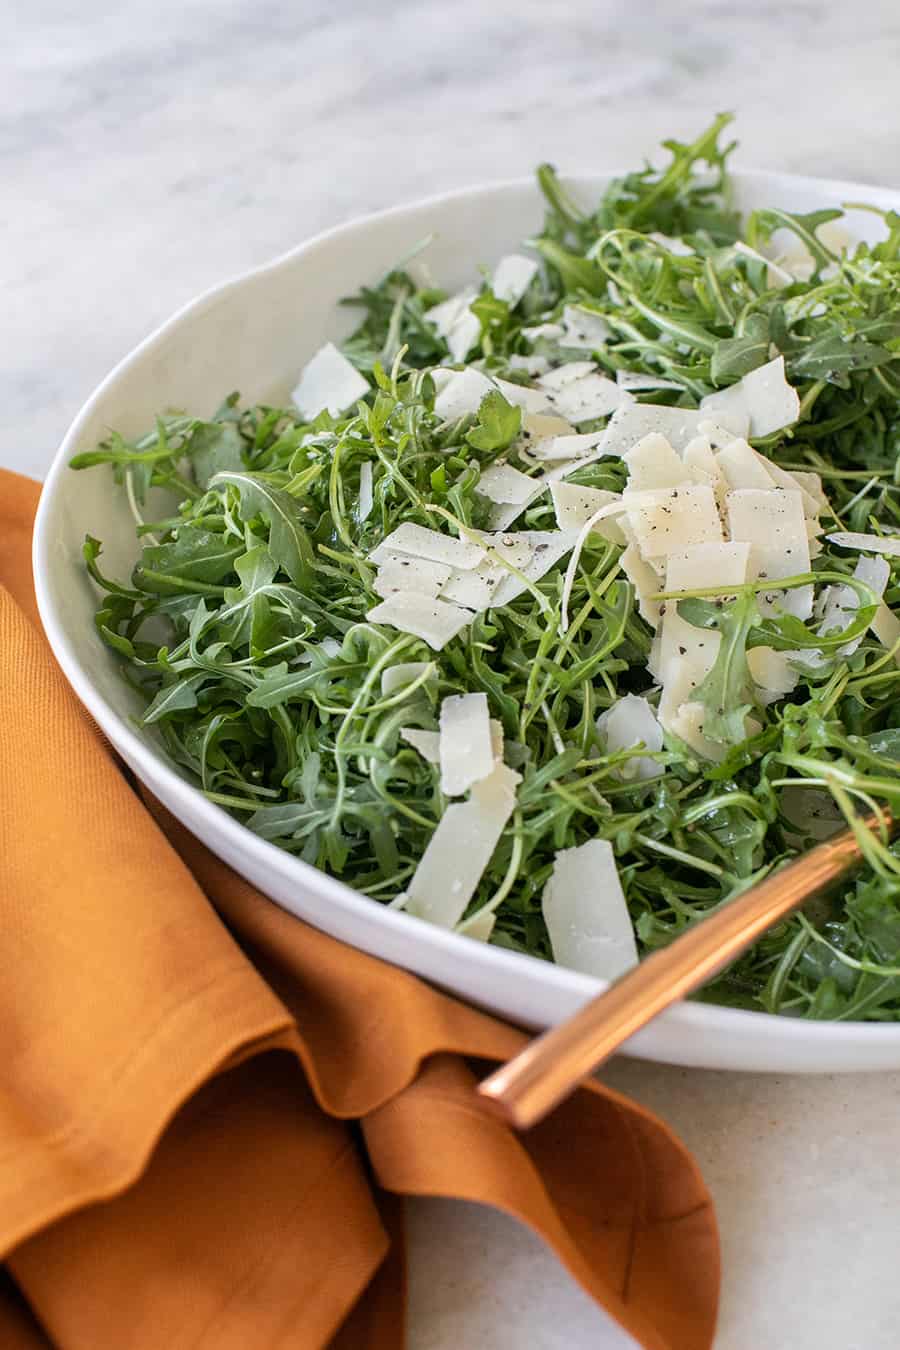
[209,1111]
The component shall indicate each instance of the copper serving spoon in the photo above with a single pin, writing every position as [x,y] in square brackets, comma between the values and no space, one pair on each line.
[552,1066]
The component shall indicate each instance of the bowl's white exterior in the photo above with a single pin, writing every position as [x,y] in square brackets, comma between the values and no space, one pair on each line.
[253,334]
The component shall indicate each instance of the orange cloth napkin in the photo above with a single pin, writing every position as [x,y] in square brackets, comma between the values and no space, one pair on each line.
[208,1110]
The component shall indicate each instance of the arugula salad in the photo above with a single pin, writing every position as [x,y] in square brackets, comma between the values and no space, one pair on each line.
[560,609]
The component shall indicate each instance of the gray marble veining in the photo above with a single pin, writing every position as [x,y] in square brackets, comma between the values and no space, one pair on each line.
[148,150]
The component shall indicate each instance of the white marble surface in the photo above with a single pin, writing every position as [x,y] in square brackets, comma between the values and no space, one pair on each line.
[152,147]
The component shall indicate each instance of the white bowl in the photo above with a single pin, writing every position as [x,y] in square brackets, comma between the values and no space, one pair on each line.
[253,334]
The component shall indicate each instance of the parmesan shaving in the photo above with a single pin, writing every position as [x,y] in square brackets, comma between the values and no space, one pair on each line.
[466,749]
[474,587]
[630,423]
[630,722]
[705,565]
[366,498]
[547,548]
[589,397]
[652,463]
[420,542]
[503,483]
[328,382]
[583,330]
[743,468]
[889,545]
[673,519]
[634,381]
[585,912]
[400,572]
[428,743]
[645,582]
[456,323]
[762,402]
[461,848]
[435,621]
[512,277]
[462,394]
[565,447]
[397,677]
[574,505]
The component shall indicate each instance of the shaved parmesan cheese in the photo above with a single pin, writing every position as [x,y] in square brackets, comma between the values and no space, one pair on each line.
[633,421]
[557,379]
[743,468]
[772,671]
[328,381]
[687,724]
[729,408]
[772,403]
[565,447]
[461,848]
[652,463]
[686,654]
[428,743]
[634,381]
[503,483]
[589,397]
[420,542]
[871,543]
[547,548]
[397,677]
[842,602]
[811,483]
[773,523]
[645,582]
[629,722]
[574,505]
[673,519]
[532,365]
[886,627]
[466,752]
[328,647]
[551,331]
[541,426]
[776,276]
[781,478]
[706,565]
[503,514]
[456,323]
[366,498]
[676,246]
[585,912]
[435,621]
[764,397]
[401,572]
[475,587]
[512,548]
[512,277]
[583,329]
[479,927]
[523,396]
[462,394]
[700,461]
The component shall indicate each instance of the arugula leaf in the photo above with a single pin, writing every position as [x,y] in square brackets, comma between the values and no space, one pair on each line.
[498,423]
[288,541]
[727,691]
[733,358]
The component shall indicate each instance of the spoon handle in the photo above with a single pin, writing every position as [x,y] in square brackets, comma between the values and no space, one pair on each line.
[553,1065]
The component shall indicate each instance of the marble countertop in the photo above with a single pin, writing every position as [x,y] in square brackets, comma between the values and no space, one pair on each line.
[149,150]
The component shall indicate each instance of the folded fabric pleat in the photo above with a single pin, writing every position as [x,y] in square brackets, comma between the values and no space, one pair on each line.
[209,1110]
